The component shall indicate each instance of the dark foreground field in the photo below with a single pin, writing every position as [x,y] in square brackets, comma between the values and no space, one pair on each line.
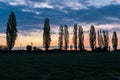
[60,66]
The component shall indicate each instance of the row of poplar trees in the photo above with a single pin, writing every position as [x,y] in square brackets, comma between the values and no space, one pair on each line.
[103,39]
[78,36]
[78,39]
[64,37]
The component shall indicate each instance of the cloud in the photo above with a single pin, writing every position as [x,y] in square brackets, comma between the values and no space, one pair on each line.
[76,6]
[17,2]
[109,27]
[72,4]
[117,1]
[60,4]
[30,10]
[14,2]
[113,18]
[99,3]
[42,5]
[31,17]
[26,10]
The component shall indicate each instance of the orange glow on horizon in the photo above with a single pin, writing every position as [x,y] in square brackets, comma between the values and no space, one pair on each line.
[37,40]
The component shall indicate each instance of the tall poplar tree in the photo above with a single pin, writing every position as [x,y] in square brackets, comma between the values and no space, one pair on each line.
[92,37]
[81,38]
[60,42]
[114,41]
[75,36]
[46,34]
[11,31]
[100,39]
[66,37]
[106,39]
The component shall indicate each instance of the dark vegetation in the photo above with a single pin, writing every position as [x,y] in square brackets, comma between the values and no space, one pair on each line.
[11,32]
[60,66]
[46,34]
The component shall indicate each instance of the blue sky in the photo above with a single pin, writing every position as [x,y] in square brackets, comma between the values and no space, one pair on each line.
[30,14]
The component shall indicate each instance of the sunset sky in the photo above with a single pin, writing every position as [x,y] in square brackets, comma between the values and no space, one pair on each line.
[30,15]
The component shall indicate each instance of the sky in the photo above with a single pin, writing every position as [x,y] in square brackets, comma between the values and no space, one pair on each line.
[30,15]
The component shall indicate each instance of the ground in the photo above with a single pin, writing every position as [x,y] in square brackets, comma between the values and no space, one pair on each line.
[60,66]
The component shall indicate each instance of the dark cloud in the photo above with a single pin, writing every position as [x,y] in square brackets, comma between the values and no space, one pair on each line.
[33,18]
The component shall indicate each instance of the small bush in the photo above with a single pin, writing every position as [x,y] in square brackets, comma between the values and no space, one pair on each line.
[29,48]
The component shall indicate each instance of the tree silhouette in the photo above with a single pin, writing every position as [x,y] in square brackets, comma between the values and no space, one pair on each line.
[106,39]
[100,39]
[46,34]
[92,36]
[29,47]
[11,31]
[60,41]
[71,47]
[81,38]
[114,41]
[66,36]
[75,36]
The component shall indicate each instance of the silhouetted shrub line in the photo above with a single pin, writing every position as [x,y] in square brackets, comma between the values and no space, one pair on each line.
[54,51]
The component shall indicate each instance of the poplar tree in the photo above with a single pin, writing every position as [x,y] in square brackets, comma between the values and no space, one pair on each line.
[100,39]
[106,39]
[92,37]
[11,31]
[60,42]
[114,41]
[66,36]
[75,36]
[81,38]
[46,34]
[71,47]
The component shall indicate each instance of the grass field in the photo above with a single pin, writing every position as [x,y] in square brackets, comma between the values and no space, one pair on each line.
[60,66]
